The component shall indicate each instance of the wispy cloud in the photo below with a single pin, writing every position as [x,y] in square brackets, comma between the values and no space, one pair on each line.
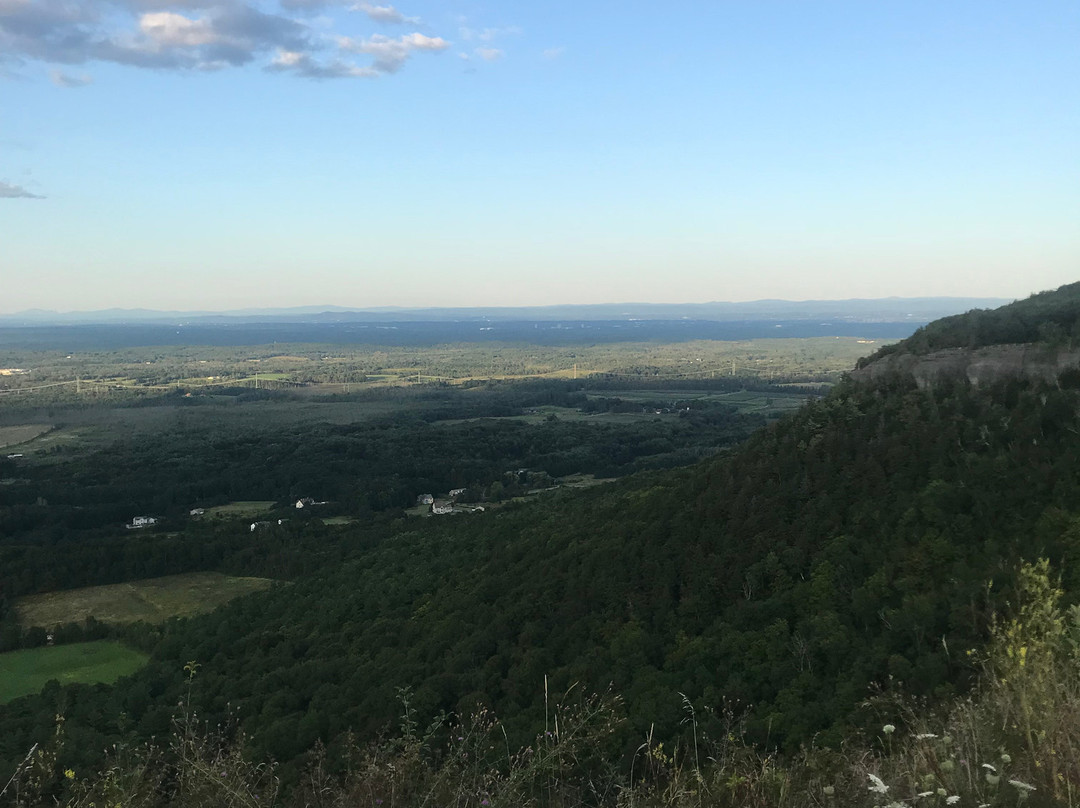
[62,79]
[487,34]
[198,35]
[385,14]
[9,191]
[228,34]
[302,64]
[553,53]
[490,54]
[391,53]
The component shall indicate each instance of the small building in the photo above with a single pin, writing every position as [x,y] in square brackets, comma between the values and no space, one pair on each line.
[196,512]
[457,492]
[141,521]
[259,526]
[304,502]
[441,507]
[425,499]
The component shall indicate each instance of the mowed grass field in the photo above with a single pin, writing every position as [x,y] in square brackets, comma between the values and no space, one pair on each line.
[27,671]
[240,508]
[151,599]
[14,435]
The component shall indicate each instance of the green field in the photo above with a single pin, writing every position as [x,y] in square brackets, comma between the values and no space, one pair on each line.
[337,520]
[152,599]
[27,671]
[237,509]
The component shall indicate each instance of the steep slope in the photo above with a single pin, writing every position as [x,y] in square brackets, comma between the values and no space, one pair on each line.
[1036,338]
[852,544]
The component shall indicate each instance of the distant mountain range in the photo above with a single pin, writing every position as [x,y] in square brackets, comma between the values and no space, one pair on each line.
[890,309]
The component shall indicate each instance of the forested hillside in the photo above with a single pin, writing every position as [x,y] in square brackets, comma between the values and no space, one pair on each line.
[1049,317]
[866,541]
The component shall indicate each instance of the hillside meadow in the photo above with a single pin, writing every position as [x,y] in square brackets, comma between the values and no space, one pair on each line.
[28,671]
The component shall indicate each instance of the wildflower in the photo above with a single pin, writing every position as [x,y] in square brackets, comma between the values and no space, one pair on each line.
[942,792]
[925,736]
[947,766]
[1023,788]
[955,798]
[988,767]
[922,794]
[69,774]
[877,785]
[888,729]
[1006,758]
[828,791]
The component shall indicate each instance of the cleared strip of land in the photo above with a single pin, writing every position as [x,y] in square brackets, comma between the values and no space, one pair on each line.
[152,599]
[22,433]
[27,671]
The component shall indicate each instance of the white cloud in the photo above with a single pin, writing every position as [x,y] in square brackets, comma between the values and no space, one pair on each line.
[389,53]
[302,64]
[386,14]
[489,54]
[197,35]
[9,191]
[61,32]
[175,30]
[553,53]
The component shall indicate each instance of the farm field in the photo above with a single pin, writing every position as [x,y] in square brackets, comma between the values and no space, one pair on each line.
[240,508]
[152,599]
[22,433]
[27,671]
[745,401]
[337,520]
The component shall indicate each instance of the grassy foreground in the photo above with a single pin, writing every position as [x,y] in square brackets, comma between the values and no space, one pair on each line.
[1014,742]
[27,671]
[151,600]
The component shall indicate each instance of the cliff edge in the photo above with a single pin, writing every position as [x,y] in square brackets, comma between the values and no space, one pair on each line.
[979,366]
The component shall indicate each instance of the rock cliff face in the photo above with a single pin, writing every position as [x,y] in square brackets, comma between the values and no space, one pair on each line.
[979,366]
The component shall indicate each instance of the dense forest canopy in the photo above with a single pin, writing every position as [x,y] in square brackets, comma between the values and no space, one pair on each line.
[1051,317]
[861,544]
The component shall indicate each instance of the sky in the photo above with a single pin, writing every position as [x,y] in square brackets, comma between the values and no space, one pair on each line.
[219,154]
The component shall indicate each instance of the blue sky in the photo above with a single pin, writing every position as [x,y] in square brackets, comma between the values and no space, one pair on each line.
[214,154]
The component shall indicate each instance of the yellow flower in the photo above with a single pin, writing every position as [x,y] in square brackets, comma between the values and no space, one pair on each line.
[69,774]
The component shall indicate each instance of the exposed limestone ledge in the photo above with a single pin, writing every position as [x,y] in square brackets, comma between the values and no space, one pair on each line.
[979,366]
